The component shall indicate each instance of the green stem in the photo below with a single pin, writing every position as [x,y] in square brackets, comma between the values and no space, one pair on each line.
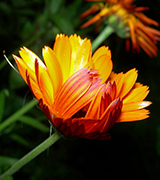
[14,117]
[107,31]
[31,155]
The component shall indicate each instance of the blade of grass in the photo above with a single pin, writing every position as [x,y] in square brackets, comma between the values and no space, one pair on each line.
[14,117]
[3,95]
[34,123]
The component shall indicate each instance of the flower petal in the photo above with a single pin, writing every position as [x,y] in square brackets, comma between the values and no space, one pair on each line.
[128,82]
[29,58]
[26,72]
[103,12]
[44,83]
[75,93]
[81,53]
[92,10]
[133,115]
[136,94]
[118,79]
[54,68]
[99,104]
[62,49]
[108,118]
[103,62]
[132,106]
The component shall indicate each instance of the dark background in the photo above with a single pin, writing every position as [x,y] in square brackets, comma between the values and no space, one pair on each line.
[132,153]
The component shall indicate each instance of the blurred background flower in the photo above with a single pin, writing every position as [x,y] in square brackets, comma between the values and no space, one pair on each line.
[127,21]
[134,149]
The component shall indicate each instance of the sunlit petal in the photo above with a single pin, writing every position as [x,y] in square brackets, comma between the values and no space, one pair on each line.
[81,53]
[63,55]
[133,115]
[53,67]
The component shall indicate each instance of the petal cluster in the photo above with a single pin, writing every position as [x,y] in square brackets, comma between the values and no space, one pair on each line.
[78,92]
[128,21]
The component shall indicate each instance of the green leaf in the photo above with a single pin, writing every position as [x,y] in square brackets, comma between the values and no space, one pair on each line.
[3,95]
[15,116]
[54,6]
[34,123]
[5,163]
[8,178]
[74,6]
[63,24]
[16,81]
[19,139]
[9,161]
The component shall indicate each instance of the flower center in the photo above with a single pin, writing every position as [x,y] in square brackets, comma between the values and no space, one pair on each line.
[118,20]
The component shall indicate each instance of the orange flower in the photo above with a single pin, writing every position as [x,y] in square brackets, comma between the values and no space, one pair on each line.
[128,22]
[78,92]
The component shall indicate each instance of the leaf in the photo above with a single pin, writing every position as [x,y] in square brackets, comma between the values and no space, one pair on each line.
[34,123]
[63,24]
[9,161]
[16,81]
[19,139]
[3,95]
[8,178]
[74,6]
[54,6]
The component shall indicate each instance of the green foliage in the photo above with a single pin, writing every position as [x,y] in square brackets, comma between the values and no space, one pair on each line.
[5,163]
[3,94]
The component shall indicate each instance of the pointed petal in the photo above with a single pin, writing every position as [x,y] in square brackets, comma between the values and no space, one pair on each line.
[81,53]
[53,67]
[22,66]
[111,115]
[103,12]
[132,106]
[102,62]
[131,23]
[44,83]
[137,94]
[118,79]
[23,69]
[33,87]
[92,10]
[29,58]
[146,19]
[95,108]
[62,49]
[129,80]
[133,115]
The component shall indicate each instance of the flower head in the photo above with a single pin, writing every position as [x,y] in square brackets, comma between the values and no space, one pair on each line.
[78,92]
[128,22]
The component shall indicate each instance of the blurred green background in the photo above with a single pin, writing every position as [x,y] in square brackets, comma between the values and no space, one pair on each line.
[132,153]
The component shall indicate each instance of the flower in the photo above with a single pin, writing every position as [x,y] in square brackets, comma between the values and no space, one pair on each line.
[128,22]
[78,92]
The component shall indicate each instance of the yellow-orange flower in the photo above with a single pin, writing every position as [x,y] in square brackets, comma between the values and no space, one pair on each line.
[78,92]
[128,22]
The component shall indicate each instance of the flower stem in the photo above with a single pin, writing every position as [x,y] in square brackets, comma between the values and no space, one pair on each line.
[31,155]
[14,117]
[107,31]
